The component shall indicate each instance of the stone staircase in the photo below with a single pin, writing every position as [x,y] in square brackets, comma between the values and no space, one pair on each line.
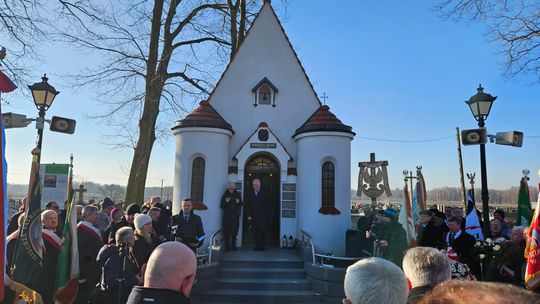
[273,276]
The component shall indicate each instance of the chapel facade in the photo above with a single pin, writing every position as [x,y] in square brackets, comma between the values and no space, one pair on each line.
[264,120]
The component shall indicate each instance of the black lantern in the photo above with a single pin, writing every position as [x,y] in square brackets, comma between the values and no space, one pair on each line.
[43,93]
[480,104]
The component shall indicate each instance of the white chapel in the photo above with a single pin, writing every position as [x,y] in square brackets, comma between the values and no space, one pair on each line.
[264,120]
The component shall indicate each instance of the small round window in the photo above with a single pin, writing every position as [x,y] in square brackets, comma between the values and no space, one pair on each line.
[263,135]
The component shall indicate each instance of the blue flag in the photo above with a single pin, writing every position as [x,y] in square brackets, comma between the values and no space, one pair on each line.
[472,224]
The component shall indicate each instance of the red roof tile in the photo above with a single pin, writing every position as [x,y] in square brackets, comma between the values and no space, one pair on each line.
[204,116]
[323,120]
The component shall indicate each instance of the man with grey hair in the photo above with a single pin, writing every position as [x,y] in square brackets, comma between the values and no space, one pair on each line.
[168,277]
[89,242]
[425,267]
[375,280]
[120,271]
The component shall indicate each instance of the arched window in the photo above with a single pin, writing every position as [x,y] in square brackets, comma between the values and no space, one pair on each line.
[328,196]
[197,180]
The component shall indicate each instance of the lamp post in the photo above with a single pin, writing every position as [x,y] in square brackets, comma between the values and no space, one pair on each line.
[480,105]
[43,94]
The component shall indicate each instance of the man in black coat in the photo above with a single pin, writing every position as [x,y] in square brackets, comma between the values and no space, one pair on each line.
[231,203]
[188,226]
[89,243]
[257,210]
[428,234]
[460,243]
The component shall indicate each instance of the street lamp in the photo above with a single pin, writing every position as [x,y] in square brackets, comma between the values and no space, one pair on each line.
[43,94]
[480,105]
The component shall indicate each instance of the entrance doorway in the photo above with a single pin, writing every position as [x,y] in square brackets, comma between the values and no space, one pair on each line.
[265,168]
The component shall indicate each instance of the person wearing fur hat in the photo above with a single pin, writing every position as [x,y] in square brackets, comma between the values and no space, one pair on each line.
[231,203]
[145,239]
[392,243]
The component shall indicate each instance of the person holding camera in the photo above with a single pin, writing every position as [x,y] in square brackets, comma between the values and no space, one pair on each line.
[390,238]
[187,227]
[231,203]
[120,271]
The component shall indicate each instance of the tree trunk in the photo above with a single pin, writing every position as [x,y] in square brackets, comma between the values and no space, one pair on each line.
[147,123]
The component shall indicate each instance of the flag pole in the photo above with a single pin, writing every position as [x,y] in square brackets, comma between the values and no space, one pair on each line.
[461,177]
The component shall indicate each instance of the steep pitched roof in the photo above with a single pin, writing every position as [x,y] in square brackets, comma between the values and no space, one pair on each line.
[323,120]
[265,5]
[204,116]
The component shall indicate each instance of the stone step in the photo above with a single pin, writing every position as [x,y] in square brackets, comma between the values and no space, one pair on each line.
[264,284]
[254,273]
[262,264]
[257,296]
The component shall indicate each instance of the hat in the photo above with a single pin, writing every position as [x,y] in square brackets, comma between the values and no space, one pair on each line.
[425,212]
[133,209]
[439,214]
[141,220]
[106,203]
[390,213]
[231,186]
[114,211]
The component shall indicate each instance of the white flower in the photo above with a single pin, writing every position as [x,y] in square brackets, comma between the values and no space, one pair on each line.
[482,256]
[478,244]
[489,241]
[497,247]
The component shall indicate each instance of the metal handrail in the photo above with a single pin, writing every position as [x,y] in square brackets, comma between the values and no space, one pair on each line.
[304,233]
[331,257]
[212,244]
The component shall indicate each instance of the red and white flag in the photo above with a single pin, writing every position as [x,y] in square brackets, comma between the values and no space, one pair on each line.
[405,218]
[532,273]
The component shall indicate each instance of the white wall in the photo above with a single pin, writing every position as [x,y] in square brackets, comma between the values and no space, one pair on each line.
[328,231]
[211,144]
[264,53]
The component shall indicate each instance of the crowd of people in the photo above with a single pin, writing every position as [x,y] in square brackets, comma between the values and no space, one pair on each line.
[387,239]
[426,278]
[121,249]
[442,250]
[118,250]
[146,254]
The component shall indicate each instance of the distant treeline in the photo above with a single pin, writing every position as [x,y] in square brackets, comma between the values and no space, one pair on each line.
[99,191]
[453,194]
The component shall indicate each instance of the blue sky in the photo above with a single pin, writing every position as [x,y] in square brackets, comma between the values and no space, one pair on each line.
[393,70]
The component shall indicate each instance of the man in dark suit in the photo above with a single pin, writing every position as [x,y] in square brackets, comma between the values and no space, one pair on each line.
[460,242]
[428,235]
[89,243]
[188,226]
[257,210]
